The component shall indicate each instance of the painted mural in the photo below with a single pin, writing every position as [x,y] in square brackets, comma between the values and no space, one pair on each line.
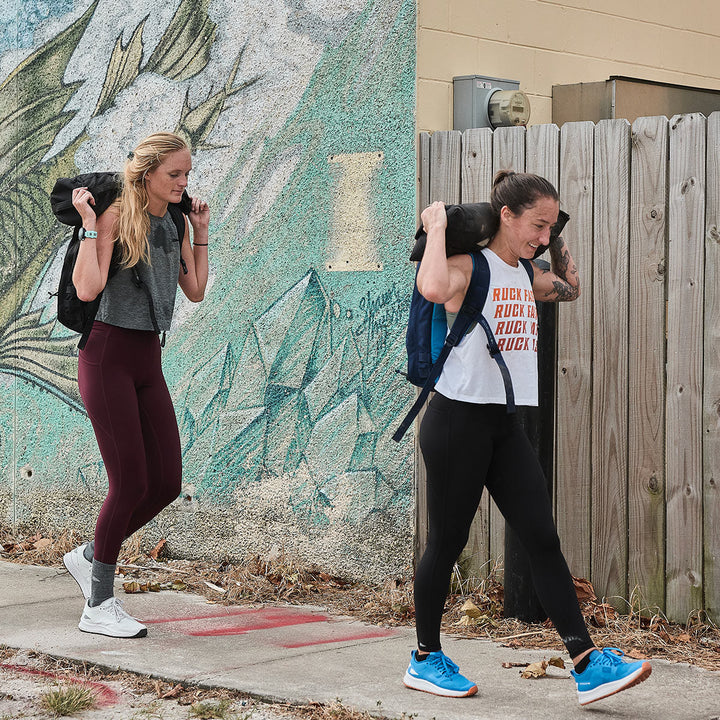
[301,115]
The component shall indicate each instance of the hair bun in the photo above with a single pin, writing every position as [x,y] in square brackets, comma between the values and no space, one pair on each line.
[502,175]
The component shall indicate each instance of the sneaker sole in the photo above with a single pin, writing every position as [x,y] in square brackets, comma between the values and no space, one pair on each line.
[72,567]
[591,696]
[99,630]
[418,684]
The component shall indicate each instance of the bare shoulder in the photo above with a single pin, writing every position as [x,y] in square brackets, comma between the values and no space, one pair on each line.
[109,217]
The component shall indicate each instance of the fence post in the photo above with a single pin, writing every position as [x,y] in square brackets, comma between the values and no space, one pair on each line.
[520,599]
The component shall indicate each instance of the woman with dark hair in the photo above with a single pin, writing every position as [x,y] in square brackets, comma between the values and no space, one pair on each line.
[119,369]
[469,441]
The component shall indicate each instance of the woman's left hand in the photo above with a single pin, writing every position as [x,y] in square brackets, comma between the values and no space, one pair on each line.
[199,216]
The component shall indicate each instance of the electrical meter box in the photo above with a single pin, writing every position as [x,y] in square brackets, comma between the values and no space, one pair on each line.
[470,99]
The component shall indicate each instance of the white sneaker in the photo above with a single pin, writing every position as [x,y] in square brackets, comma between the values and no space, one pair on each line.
[109,618]
[79,568]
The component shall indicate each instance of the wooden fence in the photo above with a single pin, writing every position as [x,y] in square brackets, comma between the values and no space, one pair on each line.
[637,441]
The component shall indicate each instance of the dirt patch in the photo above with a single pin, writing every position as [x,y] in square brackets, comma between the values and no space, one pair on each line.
[27,677]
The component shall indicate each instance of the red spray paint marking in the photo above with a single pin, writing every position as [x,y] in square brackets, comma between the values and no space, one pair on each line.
[363,635]
[244,621]
[105,696]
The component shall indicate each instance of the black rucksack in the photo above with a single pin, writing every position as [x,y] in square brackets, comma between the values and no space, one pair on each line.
[429,343]
[105,187]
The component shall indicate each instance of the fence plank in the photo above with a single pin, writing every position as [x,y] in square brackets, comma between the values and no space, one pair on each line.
[439,173]
[684,365]
[445,148]
[711,401]
[543,158]
[476,183]
[542,152]
[508,154]
[477,165]
[610,353]
[574,329]
[509,149]
[646,371]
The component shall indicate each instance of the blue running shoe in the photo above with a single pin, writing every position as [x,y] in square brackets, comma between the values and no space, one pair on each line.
[439,675]
[607,673]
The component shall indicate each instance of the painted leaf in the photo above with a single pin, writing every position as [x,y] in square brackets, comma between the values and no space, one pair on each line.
[123,68]
[197,123]
[32,99]
[184,49]
[27,349]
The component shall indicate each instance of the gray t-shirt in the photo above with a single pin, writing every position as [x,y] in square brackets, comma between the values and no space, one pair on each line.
[124,304]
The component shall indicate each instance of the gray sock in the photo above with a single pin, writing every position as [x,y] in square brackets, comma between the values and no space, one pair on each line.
[89,551]
[101,583]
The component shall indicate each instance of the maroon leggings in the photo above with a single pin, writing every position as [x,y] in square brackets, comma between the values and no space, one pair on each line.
[127,400]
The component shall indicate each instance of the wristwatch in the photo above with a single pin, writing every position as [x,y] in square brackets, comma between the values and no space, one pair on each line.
[83,233]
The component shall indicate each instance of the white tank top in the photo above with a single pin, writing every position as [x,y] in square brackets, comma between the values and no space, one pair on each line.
[470,374]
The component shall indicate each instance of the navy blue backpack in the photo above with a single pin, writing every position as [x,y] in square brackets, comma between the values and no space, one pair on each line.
[428,342]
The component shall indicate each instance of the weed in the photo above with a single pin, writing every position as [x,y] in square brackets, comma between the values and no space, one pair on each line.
[220,710]
[152,712]
[67,700]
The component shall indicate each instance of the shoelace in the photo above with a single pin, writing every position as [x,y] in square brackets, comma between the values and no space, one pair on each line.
[116,608]
[611,656]
[445,665]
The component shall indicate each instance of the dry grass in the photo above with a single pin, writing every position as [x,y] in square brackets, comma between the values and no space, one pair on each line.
[641,631]
[67,700]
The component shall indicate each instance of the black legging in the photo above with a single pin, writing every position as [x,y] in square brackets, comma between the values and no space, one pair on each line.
[467,447]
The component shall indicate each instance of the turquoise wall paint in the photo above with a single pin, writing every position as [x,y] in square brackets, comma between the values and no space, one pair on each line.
[284,378]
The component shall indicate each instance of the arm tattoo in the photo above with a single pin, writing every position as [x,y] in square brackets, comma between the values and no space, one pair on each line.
[564,268]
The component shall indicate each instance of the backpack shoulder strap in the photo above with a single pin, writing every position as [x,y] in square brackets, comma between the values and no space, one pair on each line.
[179,219]
[471,308]
[528,269]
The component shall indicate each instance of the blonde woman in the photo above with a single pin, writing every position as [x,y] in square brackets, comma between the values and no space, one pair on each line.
[119,370]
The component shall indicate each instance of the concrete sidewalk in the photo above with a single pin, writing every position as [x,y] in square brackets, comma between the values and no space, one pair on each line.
[302,654]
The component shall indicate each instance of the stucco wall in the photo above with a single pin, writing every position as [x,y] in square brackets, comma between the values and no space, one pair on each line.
[543,43]
[302,119]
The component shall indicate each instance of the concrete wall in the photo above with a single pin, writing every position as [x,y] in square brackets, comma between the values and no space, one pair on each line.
[543,43]
[302,119]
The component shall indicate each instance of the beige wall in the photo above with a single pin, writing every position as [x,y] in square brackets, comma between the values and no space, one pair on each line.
[543,43]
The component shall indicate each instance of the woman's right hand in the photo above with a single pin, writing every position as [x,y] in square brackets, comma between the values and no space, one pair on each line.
[434,217]
[82,199]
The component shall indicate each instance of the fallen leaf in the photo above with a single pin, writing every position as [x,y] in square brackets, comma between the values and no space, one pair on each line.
[156,550]
[179,585]
[557,662]
[635,654]
[584,589]
[172,693]
[42,543]
[684,637]
[534,670]
[508,665]
[471,609]
[132,587]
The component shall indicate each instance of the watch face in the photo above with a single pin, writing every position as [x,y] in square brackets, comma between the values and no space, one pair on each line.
[81,233]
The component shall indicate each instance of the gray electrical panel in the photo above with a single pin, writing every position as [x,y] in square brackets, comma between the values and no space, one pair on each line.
[470,99]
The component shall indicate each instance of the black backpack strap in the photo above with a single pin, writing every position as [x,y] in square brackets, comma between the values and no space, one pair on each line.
[472,307]
[151,307]
[179,219]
